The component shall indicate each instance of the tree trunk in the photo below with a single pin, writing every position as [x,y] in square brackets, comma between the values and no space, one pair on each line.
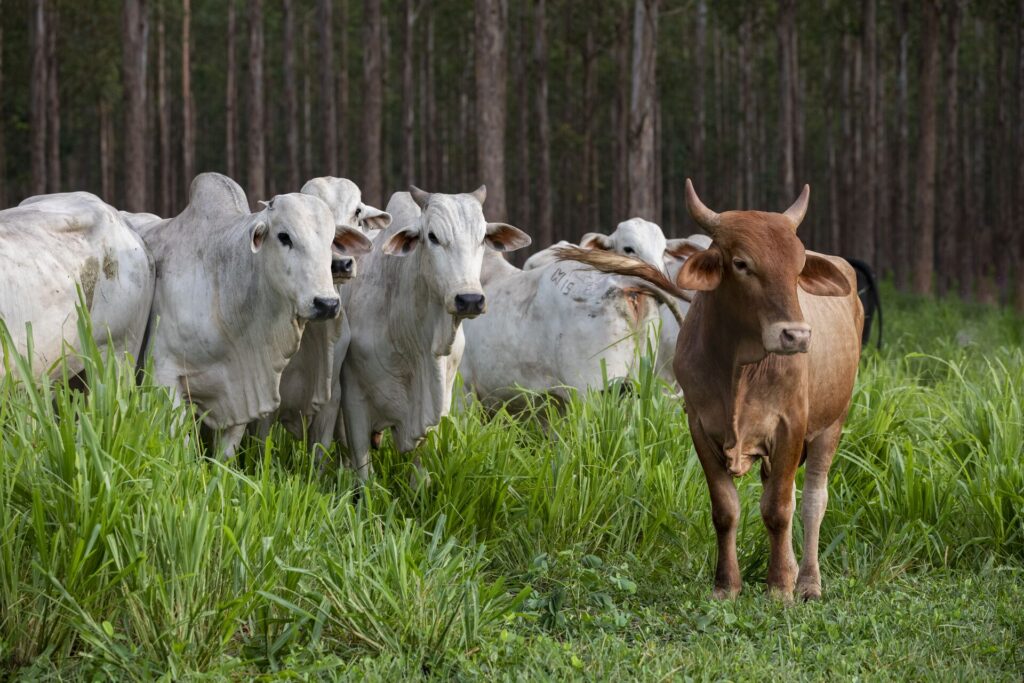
[620,118]
[949,201]
[344,159]
[188,111]
[3,136]
[924,244]
[1019,194]
[52,102]
[521,83]
[868,177]
[291,99]
[984,239]
[642,112]
[307,104]
[699,81]
[256,143]
[106,151]
[136,31]
[543,217]
[901,224]
[787,95]
[408,95]
[588,187]
[428,121]
[373,104]
[37,98]
[231,99]
[328,103]
[163,106]
[491,95]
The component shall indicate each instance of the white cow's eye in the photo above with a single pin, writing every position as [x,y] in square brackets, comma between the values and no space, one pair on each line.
[433,238]
[358,211]
[285,239]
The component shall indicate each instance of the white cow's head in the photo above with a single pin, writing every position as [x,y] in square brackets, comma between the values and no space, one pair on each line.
[293,237]
[450,236]
[352,220]
[642,240]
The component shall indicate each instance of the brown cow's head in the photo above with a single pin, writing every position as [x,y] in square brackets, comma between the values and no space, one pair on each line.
[756,262]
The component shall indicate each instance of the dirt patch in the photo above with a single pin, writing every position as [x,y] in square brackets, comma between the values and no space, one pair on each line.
[90,274]
[109,267]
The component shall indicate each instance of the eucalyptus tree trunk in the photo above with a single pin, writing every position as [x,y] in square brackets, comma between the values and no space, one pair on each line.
[256,157]
[924,243]
[373,103]
[642,112]
[543,217]
[291,99]
[135,34]
[328,102]
[188,110]
[231,96]
[37,98]
[491,80]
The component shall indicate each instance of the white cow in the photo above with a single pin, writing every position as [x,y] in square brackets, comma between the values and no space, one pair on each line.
[556,328]
[312,375]
[50,247]
[407,308]
[234,291]
[643,240]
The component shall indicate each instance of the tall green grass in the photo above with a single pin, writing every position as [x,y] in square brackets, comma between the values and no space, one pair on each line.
[124,552]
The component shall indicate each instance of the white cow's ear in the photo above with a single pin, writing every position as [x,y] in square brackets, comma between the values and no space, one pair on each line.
[372,218]
[682,248]
[402,242]
[257,234]
[504,237]
[595,240]
[351,241]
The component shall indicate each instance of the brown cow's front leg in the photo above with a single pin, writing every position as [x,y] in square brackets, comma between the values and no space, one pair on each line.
[777,503]
[812,508]
[725,514]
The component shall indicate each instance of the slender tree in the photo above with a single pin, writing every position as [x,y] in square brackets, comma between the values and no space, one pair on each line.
[135,29]
[699,84]
[373,103]
[949,203]
[231,95]
[408,94]
[868,177]
[188,129]
[256,140]
[491,79]
[544,220]
[328,102]
[786,30]
[924,210]
[37,97]
[53,160]
[3,132]
[344,153]
[291,98]
[163,105]
[902,223]
[642,112]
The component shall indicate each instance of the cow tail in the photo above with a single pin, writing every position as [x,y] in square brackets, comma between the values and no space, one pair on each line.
[661,296]
[608,262]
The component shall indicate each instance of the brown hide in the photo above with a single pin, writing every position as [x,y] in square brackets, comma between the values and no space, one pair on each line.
[767,358]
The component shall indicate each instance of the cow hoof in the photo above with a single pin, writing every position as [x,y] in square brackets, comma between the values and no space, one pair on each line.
[809,591]
[720,593]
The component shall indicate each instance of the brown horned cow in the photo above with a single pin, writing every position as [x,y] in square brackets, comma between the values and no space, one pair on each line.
[755,385]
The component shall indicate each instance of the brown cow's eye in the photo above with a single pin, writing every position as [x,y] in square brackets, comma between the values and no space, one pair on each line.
[740,265]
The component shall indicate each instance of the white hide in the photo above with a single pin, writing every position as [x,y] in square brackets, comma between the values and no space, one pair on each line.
[406,343]
[50,246]
[550,328]
[232,298]
[643,240]
[312,375]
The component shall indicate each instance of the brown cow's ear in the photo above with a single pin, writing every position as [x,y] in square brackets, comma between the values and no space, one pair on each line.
[402,242]
[351,241]
[595,240]
[821,277]
[504,237]
[702,271]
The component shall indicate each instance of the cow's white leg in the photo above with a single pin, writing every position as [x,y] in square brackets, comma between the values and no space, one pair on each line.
[227,441]
[820,452]
[357,437]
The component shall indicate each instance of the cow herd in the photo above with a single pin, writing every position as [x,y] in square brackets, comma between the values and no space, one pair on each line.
[339,320]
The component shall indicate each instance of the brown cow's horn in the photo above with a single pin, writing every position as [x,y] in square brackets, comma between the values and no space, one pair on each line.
[705,217]
[796,213]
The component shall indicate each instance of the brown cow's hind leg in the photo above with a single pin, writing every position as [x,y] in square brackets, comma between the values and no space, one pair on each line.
[812,508]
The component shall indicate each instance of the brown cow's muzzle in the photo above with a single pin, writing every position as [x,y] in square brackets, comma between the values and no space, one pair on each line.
[787,338]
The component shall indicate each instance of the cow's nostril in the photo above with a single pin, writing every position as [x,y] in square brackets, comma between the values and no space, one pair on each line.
[469,304]
[341,266]
[325,307]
